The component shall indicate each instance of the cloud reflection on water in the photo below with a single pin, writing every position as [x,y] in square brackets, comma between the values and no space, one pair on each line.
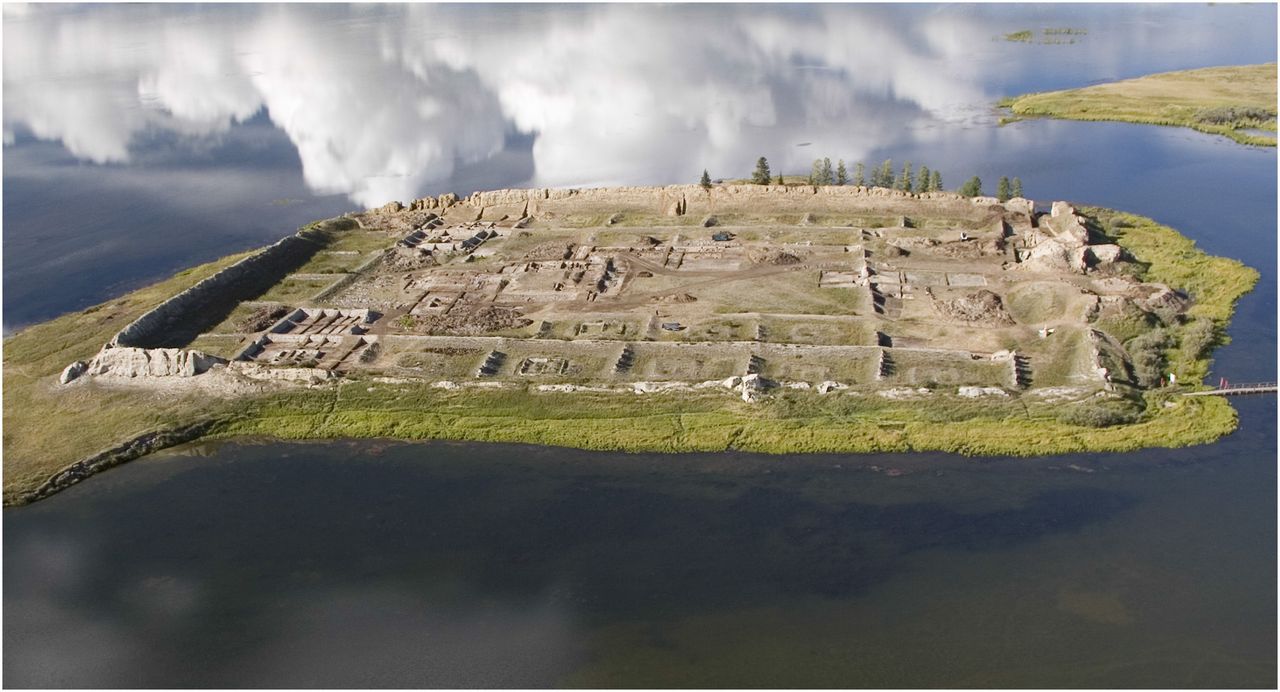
[384,107]
[198,119]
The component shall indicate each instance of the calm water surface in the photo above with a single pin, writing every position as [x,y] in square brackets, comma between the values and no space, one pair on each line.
[383,564]
[140,140]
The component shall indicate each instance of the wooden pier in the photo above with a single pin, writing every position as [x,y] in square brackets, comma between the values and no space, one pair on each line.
[1225,388]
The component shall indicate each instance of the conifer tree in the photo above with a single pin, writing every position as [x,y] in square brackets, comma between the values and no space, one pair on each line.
[842,174]
[827,176]
[972,187]
[761,176]
[779,181]
[859,175]
[815,173]
[936,183]
[904,181]
[706,180]
[922,180]
[885,177]
[1003,192]
[1017,187]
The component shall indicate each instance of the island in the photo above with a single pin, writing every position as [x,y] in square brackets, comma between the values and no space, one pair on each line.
[767,318]
[1237,102]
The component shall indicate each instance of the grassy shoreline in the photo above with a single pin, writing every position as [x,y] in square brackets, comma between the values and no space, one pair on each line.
[50,429]
[1223,101]
[1189,421]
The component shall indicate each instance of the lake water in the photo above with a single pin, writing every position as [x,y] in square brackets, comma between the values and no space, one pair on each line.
[390,564]
[140,140]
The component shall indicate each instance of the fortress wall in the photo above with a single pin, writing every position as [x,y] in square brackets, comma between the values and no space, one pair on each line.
[175,318]
[772,199]
[674,200]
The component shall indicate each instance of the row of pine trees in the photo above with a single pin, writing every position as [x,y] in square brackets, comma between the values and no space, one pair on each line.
[923,179]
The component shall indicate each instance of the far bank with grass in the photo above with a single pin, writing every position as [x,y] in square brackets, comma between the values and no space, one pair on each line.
[1237,102]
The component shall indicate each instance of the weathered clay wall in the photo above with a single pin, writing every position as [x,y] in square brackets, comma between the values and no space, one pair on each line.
[167,323]
[125,361]
[674,200]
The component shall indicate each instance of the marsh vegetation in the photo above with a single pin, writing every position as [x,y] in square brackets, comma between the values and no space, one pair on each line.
[1237,102]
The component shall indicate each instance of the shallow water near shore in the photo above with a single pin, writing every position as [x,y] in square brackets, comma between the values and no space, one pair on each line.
[381,564]
[443,564]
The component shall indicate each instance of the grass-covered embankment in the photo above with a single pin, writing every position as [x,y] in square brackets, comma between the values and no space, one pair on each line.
[1213,283]
[716,422]
[1218,100]
[48,427]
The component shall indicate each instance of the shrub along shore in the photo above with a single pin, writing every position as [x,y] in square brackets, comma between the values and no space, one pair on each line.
[57,435]
[1227,101]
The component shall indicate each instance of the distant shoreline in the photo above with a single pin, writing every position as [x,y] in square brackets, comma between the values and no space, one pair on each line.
[1230,101]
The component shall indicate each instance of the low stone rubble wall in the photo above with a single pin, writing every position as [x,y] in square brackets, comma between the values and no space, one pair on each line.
[126,451]
[678,200]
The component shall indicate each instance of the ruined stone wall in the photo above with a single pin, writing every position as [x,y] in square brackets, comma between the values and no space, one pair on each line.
[242,280]
[675,200]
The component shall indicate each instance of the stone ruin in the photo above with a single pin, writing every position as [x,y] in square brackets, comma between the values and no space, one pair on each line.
[908,283]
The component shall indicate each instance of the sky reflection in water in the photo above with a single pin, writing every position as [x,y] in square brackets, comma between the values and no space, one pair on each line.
[140,140]
[387,103]
[456,564]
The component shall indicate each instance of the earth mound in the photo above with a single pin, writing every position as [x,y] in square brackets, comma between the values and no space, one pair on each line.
[774,257]
[676,298]
[470,323]
[983,307]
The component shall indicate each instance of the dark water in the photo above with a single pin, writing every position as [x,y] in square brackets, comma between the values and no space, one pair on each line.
[143,139]
[384,564]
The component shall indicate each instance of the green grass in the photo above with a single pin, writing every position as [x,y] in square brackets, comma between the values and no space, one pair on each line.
[627,219]
[926,369]
[234,323]
[715,422]
[856,367]
[1133,321]
[330,262]
[793,292]
[818,332]
[297,291]
[1214,283]
[1037,302]
[1191,98]
[362,242]
[47,427]
[1065,357]
[223,346]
